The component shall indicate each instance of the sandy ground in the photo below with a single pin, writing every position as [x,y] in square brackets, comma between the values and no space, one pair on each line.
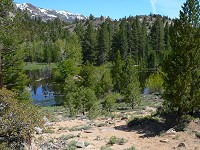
[103,128]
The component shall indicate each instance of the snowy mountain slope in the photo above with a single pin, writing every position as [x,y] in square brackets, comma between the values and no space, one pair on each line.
[49,14]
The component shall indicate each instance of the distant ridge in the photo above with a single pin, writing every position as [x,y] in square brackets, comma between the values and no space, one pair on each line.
[49,14]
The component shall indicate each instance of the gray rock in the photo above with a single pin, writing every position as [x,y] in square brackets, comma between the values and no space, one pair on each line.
[197,121]
[171,131]
[47,122]
[88,131]
[164,141]
[80,144]
[124,118]
[38,130]
[92,147]
[181,145]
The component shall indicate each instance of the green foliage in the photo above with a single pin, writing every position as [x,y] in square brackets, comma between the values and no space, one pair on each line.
[197,135]
[117,72]
[155,82]
[67,137]
[88,76]
[130,82]
[112,140]
[87,100]
[79,128]
[109,103]
[104,84]
[72,145]
[71,94]
[103,44]
[39,66]
[90,44]
[105,148]
[18,120]
[94,111]
[115,140]
[68,68]
[143,120]
[182,80]
[80,99]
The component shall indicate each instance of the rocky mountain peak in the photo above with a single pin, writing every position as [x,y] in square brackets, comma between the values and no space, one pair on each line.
[49,14]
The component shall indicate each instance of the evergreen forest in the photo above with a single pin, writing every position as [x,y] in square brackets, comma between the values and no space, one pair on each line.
[100,62]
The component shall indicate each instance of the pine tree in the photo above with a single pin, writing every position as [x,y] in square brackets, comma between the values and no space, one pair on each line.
[157,41]
[11,57]
[167,37]
[117,72]
[88,76]
[123,41]
[130,82]
[103,44]
[90,44]
[182,78]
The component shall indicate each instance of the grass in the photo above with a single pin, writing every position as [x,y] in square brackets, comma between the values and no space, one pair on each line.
[51,112]
[145,103]
[79,128]
[131,148]
[67,137]
[71,146]
[115,140]
[39,66]
[105,148]
[48,130]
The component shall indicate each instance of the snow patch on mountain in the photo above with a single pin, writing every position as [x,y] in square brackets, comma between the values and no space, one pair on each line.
[49,14]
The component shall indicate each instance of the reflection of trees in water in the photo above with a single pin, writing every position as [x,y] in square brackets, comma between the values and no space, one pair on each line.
[39,73]
[44,91]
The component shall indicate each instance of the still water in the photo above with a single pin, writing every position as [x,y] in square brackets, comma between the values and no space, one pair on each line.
[42,89]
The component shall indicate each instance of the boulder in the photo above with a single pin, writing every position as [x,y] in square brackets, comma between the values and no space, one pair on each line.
[80,144]
[38,130]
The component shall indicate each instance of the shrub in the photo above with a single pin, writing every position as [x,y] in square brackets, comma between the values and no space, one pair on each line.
[67,137]
[79,128]
[198,135]
[105,148]
[121,141]
[71,146]
[109,104]
[18,120]
[131,148]
[155,82]
[115,140]
[112,140]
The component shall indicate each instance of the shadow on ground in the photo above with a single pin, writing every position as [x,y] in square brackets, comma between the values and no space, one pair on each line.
[149,126]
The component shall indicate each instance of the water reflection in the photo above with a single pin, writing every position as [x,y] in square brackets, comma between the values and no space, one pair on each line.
[42,89]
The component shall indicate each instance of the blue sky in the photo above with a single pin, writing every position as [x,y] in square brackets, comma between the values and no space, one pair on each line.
[114,8]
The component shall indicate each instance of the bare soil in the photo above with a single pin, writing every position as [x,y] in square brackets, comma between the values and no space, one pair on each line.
[145,136]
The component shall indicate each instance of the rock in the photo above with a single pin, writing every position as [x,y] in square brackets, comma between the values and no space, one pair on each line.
[181,145]
[164,141]
[80,144]
[107,129]
[197,120]
[38,130]
[111,122]
[88,131]
[171,131]
[92,147]
[124,118]
[47,122]
[45,119]
[53,146]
